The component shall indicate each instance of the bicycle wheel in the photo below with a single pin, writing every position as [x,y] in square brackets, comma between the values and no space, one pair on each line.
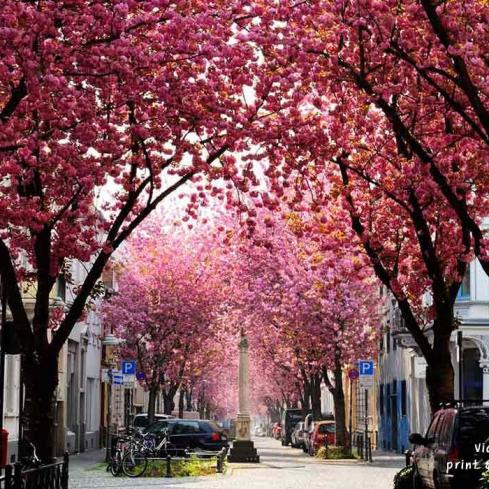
[116,465]
[134,464]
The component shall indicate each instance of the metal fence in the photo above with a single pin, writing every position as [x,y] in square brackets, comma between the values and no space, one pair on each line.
[220,458]
[363,445]
[51,476]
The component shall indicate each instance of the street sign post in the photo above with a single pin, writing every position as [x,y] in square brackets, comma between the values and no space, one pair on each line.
[117,377]
[129,381]
[128,367]
[366,382]
[366,367]
[353,374]
[366,373]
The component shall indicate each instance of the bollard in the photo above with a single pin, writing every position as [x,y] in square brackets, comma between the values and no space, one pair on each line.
[219,462]
[168,466]
[408,454]
[370,450]
[8,477]
[65,470]
[18,475]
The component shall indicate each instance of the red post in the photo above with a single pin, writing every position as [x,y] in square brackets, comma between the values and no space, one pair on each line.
[3,447]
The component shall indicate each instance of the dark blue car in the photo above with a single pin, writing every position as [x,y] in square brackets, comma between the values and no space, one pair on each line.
[191,434]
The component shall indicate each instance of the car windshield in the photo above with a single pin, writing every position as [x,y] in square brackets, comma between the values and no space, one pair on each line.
[157,427]
[210,426]
[473,428]
[326,428]
[295,418]
[140,421]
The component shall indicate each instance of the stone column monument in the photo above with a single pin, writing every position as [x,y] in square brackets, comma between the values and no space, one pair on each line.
[243,449]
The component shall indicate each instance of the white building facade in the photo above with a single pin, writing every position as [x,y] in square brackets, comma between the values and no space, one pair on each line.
[403,404]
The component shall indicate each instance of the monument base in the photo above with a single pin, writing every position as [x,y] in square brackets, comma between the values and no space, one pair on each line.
[243,451]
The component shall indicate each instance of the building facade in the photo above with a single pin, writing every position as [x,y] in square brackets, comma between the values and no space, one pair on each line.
[403,402]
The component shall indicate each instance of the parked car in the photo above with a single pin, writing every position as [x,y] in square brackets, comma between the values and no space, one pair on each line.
[451,437]
[290,417]
[260,431]
[191,434]
[324,433]
[297,437]
[277,431]
[140,421]
[309,425]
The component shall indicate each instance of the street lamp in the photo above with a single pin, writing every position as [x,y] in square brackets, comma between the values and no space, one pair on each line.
[110,340]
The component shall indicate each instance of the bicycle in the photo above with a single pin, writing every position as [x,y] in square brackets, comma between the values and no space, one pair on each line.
[122,445]
[28,456]
[135,461]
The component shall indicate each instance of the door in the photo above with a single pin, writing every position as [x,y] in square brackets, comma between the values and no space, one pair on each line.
[186,434]
[394,431]
[424,454]
[445,441]
[394,417]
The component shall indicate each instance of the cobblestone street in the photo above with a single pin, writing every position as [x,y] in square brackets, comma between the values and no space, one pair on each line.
[281,468]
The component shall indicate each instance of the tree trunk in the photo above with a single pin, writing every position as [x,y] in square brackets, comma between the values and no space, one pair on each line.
[181,398]
[439,373]
[207,411]
[153,393]
[315,383]
[306,396]
[168,396]
[40,379]
[339,405]
[188,399]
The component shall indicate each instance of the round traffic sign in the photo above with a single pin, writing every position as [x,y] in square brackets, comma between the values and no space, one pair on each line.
[353,374]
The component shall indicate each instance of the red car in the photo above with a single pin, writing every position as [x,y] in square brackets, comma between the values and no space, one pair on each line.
[277,431]
[324,434]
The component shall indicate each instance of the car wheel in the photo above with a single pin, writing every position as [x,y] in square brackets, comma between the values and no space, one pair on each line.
[417,482]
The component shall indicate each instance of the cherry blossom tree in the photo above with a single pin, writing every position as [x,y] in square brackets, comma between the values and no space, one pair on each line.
[390,119]
[309,300]
[168,298]
[106,109]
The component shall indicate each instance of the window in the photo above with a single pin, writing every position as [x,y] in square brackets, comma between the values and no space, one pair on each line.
[446,428]
[11,387]
[403,398]
[326,428]
[91,405]
[432,433]
[61,287]
[185,428]
[464,291]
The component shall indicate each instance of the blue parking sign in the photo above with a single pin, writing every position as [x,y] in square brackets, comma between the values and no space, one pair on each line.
[366,367]
[128,367]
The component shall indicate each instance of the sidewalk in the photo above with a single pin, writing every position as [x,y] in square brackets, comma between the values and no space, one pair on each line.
[86,460]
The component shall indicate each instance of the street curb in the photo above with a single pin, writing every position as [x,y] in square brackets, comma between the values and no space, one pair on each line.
[340,461]
[230,470]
